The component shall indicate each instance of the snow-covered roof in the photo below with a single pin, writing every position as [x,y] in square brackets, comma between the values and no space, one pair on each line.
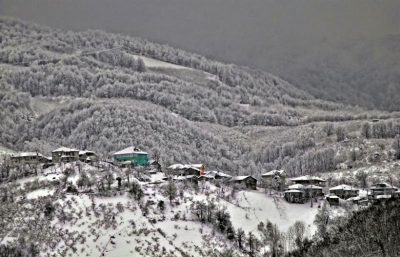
[184,177]
[293,191]
[85,152]
[383,196]
[332,196]
[273,173]
[28,154]
[185,166]
[65,149]
[296,186]
[240,178]
[152,161]
[217,173]
[310,178]
[383,185]
[206,176]
[343,187]
[130,150]
[355,198]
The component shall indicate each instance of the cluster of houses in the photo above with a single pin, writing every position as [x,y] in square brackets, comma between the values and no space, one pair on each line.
[295,190]
[197,172]
[62,154]
[131,155]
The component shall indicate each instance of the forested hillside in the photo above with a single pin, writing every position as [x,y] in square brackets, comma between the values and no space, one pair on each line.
[103,91]
[345,51]
[368,232]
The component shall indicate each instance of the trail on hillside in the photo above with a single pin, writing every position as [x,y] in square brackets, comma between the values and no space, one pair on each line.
[253,209]
[280,207]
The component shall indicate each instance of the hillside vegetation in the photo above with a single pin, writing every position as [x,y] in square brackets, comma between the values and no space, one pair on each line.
[102,91]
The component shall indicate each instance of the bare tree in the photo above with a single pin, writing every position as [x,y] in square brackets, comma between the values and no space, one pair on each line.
[396,146]
[170,190]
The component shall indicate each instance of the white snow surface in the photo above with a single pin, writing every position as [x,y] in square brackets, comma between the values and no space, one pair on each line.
[154,63]
[259,206]
[39,193]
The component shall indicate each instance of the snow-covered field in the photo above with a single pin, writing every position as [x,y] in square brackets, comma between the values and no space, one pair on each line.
[39,193]
[253,207]
[117,224]
[154,63]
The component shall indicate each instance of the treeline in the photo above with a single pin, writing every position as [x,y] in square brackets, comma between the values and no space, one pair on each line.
[125,95]
[382,129]
[109,126]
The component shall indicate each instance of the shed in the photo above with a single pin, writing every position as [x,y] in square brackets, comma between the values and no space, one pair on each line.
[248,182]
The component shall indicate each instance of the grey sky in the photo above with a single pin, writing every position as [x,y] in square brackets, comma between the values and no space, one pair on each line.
[249,32]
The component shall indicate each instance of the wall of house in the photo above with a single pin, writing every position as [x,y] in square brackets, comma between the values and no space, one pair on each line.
[137,159]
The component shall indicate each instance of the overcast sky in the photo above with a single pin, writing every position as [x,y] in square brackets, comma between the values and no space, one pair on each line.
[249,32]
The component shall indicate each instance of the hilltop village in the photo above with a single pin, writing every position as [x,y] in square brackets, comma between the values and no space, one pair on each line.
[297,190]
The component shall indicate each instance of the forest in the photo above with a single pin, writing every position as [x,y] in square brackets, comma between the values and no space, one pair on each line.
[210,112]
[367,232]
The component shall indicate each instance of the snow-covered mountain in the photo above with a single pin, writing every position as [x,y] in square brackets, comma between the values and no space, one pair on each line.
[90,90]
[104,92]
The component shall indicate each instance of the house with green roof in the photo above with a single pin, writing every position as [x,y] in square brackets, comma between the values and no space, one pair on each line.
[132,155]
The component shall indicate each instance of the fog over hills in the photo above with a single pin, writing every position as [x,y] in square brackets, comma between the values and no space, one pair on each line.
[338,50]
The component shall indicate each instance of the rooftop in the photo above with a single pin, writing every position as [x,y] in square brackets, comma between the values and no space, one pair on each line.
[85,152]
[130,150]
[27,154]
[65,149]
[296,186]
[293,191]
[185,166]
[239,178]
[273,173]
[343,187]
[308,178]
[217,173]
[383,185]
